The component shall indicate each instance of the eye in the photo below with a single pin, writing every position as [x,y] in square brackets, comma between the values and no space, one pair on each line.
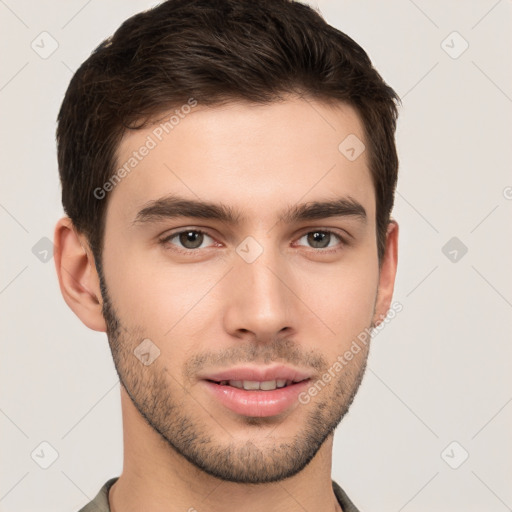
[189,239]
[322,239]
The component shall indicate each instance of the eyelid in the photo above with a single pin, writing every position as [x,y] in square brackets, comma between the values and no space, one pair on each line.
[165,239]
[312,229]
[342,239]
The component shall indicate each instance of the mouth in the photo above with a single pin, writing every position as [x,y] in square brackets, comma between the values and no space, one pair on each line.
[254,385]
[257,391]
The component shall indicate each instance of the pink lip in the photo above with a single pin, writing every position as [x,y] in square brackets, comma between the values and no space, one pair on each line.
[258,373]
[258,404]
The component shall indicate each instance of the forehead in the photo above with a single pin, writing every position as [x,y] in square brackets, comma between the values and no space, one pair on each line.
[256,158]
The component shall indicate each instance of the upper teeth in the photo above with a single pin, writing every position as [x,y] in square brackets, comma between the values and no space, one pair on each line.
[252,385]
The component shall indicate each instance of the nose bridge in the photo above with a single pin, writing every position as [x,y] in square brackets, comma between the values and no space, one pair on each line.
[260,302]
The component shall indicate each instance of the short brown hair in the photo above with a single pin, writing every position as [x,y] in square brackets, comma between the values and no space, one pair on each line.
[215,51]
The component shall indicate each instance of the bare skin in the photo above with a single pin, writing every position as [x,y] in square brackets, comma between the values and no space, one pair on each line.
[299,303]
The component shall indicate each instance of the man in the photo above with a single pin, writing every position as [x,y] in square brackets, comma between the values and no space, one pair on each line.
[228,170]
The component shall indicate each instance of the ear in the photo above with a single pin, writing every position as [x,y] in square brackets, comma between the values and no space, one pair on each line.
[78,279]
[387,274]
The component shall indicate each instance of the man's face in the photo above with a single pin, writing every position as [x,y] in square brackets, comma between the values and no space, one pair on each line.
[263,300]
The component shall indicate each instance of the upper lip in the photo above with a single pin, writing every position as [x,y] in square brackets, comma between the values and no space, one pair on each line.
[258,373]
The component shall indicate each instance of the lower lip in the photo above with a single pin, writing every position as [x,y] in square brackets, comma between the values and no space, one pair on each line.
[257,404]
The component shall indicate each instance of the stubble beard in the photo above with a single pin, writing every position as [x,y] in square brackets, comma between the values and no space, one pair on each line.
[154,392]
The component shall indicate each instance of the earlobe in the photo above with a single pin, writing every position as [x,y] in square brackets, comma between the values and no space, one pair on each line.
[387,274]
[78,279]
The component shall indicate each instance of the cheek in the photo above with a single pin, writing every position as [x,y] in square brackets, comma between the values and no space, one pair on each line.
[343,297]
[161,298]
[334,302]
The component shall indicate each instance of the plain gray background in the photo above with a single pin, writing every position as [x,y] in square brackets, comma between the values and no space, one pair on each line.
[438,386]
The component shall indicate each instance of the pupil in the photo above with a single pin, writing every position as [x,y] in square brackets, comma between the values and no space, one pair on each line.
[191,239]
[319,239]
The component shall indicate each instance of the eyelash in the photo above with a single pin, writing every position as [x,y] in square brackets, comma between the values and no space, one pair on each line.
[166,241]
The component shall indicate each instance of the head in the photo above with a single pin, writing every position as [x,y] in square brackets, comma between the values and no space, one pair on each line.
[217,227]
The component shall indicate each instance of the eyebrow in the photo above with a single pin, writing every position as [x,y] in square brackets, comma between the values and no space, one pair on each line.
[174,206]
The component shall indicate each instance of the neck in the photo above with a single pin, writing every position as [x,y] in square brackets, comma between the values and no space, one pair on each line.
[155,477]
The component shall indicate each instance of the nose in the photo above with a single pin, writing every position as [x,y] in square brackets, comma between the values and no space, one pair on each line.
[261,304]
